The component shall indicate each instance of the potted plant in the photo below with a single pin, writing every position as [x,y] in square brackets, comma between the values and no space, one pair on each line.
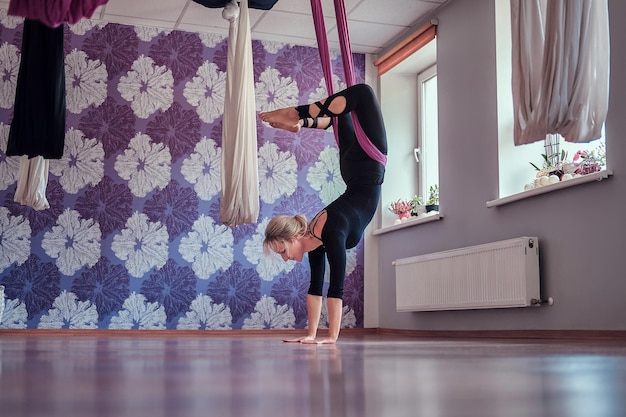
[418,206]
[401,208]
[432,204]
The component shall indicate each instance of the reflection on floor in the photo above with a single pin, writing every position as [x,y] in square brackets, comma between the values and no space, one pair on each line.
[194,374]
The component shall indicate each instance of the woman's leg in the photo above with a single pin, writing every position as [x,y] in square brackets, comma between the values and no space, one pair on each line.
[318,113]
[289,119]
[359,98]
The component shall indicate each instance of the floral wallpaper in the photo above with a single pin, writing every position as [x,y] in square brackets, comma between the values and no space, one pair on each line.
[132,238]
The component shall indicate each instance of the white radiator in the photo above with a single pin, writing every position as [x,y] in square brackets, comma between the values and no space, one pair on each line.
[494,275]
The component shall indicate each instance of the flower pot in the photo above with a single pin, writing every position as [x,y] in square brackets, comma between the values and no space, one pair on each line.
[420,209]
[406,215]
[432,207]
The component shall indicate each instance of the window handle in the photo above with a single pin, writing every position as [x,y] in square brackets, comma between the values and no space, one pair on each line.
[416,154]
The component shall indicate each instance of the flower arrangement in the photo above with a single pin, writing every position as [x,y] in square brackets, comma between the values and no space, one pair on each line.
[557,168]
[401,207]
[589,162]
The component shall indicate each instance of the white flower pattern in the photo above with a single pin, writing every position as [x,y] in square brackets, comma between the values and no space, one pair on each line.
[206,315]
[274,91]
[211,40]
[137,313]
[325,176]
[82,162]
[10,22]
[268,315]
[278,174]
[74,242]
[145,165]
[69,312]
[15,233]
[148,87]
[206,92]
[203,169]
[15,315]
[85,81]
[142,244]
[321,92]
[146,33]
[85,25]
[10,66]
[209,247]
[9,165]
[273,47]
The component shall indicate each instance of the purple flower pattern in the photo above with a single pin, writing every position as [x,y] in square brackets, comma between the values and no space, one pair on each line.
[174,206]
[176,128]
[108,203]
[291,290]
[238,288]
[105,285]
[283,74]
[353,293]
[302,64]
[299,202]
[220,58]
[115,45]
[179,51]
[173,287]
[111,123]
[34,283]
[305,146]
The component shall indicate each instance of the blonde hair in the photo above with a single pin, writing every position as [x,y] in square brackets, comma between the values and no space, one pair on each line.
[283,229]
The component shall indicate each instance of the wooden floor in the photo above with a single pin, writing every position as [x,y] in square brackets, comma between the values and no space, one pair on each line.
[194,374]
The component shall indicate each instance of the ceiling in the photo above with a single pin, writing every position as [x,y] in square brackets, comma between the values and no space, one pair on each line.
[374,25]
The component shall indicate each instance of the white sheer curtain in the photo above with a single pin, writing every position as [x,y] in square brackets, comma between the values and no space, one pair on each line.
[32,182]
[240,177]
[560,79]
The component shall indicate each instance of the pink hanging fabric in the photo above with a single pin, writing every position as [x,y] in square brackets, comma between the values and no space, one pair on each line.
[54,13]
[348,66]
[322,46]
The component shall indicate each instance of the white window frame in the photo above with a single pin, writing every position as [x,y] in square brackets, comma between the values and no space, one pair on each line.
[399,96]
[428,139]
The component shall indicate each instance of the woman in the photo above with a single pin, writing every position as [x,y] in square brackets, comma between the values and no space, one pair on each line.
[340,225]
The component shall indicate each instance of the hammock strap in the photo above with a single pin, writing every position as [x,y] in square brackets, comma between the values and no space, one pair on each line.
[346,54]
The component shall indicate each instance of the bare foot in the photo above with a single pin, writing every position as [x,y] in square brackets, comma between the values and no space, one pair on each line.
[286,119]
[302,339]
[327,341]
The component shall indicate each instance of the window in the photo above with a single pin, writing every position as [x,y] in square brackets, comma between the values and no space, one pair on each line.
[408,94]
[428,144]
[515,170]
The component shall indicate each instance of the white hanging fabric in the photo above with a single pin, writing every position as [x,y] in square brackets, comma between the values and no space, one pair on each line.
[32,182]
[560,81]
[239,203]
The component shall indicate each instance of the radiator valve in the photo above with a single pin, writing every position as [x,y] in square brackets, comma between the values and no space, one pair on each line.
[535,302]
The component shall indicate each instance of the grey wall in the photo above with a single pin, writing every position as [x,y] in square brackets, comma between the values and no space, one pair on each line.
[580,229]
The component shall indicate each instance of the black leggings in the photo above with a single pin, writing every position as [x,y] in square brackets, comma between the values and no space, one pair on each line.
[348,216]
[361,100]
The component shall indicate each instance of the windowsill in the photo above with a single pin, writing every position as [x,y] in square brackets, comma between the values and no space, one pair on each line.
[596,176]
[408,223]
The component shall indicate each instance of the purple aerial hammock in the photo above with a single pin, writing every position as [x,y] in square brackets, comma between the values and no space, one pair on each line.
[348,67]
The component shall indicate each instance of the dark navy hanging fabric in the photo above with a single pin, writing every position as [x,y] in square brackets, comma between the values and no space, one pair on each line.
[38,125]
[252,4]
